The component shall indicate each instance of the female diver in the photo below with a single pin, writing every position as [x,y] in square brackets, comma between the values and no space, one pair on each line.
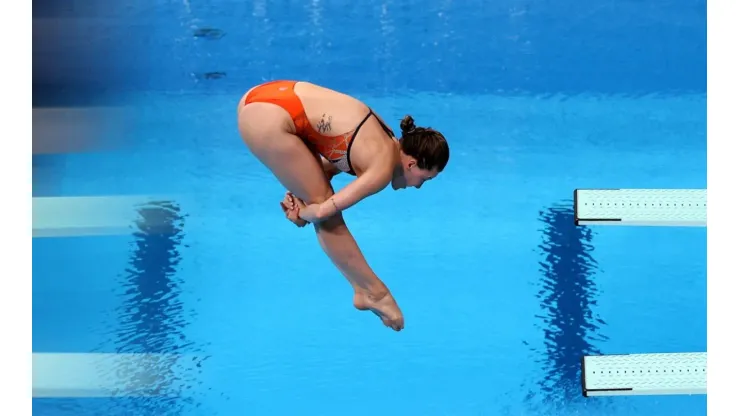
[306,134]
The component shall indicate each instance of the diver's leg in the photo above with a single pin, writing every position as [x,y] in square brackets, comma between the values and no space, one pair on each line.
[298,170]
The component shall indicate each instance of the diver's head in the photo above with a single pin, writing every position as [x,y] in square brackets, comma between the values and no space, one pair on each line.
[424,154]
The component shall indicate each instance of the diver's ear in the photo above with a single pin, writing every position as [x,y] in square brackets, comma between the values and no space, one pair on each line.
[411,163]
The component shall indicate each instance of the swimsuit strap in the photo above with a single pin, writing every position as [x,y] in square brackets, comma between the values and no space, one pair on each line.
[388,131]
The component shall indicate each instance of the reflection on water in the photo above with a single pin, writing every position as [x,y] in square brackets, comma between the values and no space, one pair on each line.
[567,296]
[151,319]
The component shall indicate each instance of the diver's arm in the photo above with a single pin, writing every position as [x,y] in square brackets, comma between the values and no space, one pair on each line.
[370,182]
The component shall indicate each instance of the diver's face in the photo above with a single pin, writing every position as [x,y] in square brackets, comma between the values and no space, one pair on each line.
[412,175]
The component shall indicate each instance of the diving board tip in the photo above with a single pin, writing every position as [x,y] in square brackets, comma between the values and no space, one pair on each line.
[640,207]
[644,374]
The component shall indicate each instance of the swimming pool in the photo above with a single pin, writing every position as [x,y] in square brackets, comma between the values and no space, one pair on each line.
[502,293]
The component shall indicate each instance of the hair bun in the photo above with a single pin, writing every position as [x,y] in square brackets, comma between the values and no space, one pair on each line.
[407,124]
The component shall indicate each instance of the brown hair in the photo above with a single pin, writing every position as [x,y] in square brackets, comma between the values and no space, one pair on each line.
[426,145]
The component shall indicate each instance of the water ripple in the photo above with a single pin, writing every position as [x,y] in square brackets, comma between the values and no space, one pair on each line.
[567,296]
[153,318]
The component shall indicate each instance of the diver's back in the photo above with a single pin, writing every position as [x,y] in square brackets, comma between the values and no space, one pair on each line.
[336,112]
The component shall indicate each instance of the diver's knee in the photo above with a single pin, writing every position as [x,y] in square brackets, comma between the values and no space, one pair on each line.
[332,223]
[320,198]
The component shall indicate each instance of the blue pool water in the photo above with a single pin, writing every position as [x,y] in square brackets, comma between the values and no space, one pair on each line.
[502,293]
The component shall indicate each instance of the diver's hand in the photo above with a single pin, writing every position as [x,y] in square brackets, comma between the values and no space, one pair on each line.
[291,206]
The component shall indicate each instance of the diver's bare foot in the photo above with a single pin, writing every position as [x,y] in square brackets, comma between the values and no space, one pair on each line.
[382,305]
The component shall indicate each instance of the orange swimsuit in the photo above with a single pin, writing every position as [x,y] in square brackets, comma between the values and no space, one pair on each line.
[334,148]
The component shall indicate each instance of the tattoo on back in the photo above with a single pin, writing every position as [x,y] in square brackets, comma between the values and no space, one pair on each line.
[324,125]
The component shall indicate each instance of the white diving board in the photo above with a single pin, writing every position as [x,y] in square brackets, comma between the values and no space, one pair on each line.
[67,375]
[641,207]
[644,374]
[84,216]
